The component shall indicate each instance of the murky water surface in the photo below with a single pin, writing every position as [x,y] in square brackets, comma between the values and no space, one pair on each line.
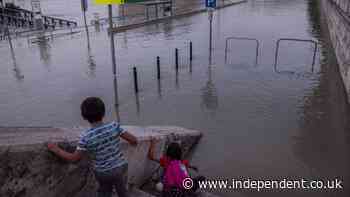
[258,121]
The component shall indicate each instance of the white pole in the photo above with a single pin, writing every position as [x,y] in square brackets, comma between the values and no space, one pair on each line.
[210,35]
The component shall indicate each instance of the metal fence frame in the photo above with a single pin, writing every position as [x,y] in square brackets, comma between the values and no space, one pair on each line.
[296,40]
[243,38]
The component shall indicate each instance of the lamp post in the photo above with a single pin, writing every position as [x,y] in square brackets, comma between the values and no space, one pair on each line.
[210,4]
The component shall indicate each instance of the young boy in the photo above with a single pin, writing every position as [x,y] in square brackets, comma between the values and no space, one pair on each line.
[102,142]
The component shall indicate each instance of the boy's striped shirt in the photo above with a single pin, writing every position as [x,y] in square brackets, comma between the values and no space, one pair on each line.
[103,144]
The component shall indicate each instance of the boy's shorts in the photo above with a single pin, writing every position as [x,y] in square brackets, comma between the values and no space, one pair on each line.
[113,179]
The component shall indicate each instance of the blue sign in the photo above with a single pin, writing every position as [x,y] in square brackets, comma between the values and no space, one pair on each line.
[210,3]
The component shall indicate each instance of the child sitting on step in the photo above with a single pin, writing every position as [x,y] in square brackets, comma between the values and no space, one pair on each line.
[176,181]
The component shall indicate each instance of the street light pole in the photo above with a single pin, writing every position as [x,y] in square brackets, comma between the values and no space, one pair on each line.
[210,12]
[114,64]
[84,8]
[110,16]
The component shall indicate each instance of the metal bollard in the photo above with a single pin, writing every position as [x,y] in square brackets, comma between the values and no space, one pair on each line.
[177,59]
[158,67]
[135,80]
[191,52]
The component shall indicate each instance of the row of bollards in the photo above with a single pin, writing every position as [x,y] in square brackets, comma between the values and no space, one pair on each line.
[136,86]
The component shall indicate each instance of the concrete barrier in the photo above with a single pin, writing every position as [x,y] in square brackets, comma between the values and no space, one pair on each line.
[28,169]
[338,21]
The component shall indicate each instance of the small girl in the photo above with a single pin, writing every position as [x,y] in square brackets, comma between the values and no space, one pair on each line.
[175,170]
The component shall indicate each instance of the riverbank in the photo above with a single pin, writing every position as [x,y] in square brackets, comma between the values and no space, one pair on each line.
[338,19]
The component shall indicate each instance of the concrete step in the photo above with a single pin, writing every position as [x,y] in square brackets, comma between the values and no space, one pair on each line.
[138,193]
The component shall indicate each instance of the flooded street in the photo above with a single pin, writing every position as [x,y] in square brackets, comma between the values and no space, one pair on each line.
[258,121]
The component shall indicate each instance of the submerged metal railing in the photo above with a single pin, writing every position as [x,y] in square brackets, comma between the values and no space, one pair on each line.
[296,40]
[243,38]
[24,18]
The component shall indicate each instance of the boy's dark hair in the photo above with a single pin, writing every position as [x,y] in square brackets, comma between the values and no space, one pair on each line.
[174,151]
[93,109]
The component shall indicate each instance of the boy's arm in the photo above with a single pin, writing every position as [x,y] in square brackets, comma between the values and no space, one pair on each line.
[151,154]
[129,138]
[72,157]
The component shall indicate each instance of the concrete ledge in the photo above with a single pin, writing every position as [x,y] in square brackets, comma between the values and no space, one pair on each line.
[28,169]
[165,19]
[339,29]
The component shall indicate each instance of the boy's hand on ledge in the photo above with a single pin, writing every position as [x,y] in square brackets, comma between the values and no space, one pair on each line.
[130,138]
[53,147]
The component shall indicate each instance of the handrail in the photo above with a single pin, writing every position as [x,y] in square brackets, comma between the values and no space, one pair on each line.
[296,40]
[243,38]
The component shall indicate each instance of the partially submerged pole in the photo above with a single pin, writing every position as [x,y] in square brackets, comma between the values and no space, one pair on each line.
[191,53]
[114,64]
[177,59]
[136,86]
[158,67]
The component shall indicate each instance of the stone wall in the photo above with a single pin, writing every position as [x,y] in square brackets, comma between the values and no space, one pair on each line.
[27,169]
[338,19]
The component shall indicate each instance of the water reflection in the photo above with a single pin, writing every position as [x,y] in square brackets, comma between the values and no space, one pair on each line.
[91,61]
[125,40]
[159,88]
[209,93]
[314,17]
[44,48]
[91,64]
[17,70]
[168,28]
[177,85]
[190,67]
[137,102]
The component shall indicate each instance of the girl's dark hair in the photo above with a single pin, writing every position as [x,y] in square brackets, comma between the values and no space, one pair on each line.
[93,109]
[174,151]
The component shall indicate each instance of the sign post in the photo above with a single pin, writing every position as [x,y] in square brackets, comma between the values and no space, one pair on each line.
[84,8]
[110,20]
[111,34]
[211,5]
